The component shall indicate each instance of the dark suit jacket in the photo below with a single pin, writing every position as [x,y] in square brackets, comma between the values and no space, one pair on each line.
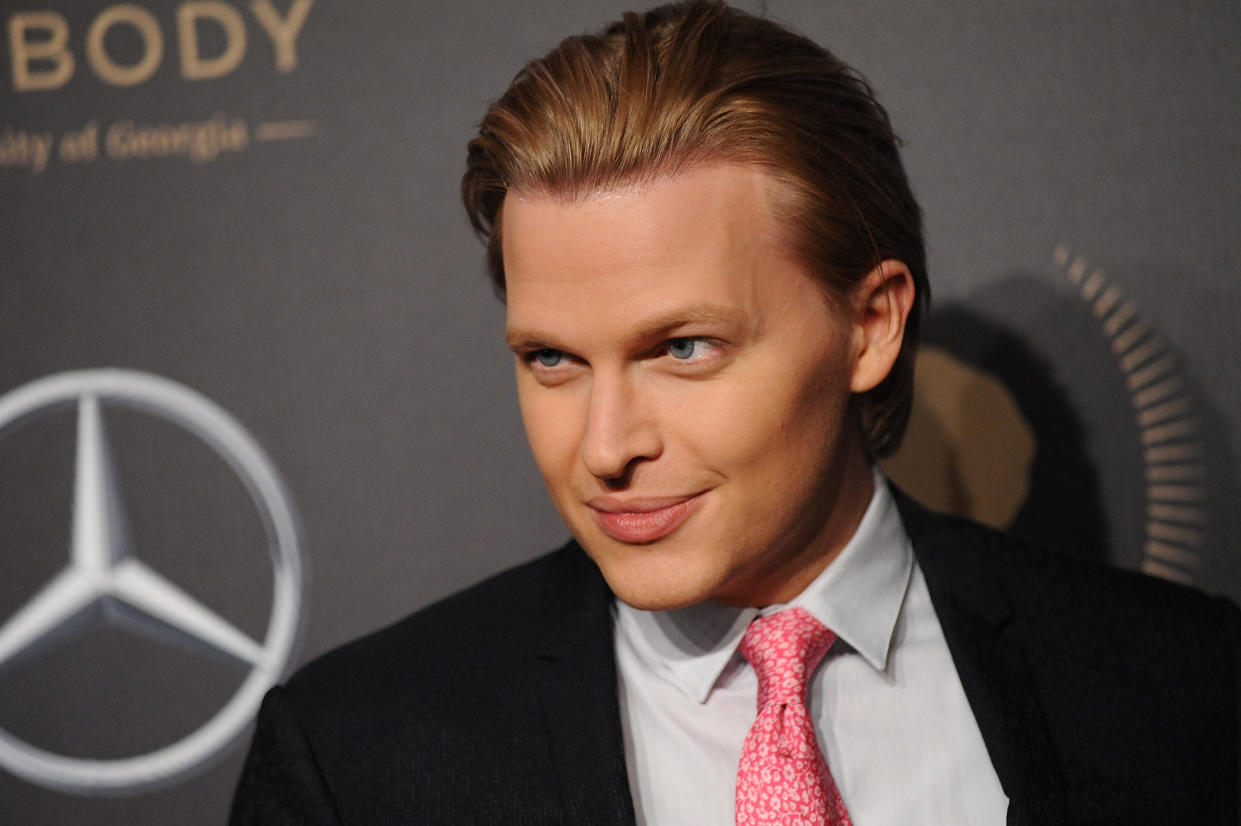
[1102,697]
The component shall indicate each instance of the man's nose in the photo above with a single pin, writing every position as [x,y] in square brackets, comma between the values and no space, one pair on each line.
[620,429]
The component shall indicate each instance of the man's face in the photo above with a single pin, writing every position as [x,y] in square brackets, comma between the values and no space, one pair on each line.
[684,385]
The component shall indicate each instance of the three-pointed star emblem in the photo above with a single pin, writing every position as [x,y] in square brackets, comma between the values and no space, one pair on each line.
[105,574]
[103,568]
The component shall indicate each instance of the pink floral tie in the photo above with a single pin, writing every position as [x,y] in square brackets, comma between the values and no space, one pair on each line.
[783,779]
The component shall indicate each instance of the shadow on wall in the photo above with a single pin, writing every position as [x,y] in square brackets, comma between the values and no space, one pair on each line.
[1219,568]
[994,436]
[1076,431]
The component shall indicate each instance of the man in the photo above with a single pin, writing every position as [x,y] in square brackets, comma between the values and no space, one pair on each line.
[714,271]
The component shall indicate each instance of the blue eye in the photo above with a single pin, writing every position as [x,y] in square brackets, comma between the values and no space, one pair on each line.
[683,348]
[548,357]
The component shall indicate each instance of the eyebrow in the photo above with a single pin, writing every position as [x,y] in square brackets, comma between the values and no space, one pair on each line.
[520,340]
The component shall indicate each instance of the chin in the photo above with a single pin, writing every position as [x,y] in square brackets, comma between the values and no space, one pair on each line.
[649,581]
[652,600]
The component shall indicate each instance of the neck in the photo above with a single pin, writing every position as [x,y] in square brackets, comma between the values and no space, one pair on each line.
[845,497]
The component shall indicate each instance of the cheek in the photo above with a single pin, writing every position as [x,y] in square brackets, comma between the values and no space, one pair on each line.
[553,428]
[779,419]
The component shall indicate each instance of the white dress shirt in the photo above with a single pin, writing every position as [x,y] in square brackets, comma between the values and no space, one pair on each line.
[889,711]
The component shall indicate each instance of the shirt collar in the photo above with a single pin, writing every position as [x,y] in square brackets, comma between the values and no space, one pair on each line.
[859,596]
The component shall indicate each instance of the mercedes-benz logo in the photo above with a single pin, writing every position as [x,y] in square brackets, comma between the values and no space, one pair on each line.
[103,567]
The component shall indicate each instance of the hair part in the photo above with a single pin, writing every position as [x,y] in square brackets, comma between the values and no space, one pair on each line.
[659,92]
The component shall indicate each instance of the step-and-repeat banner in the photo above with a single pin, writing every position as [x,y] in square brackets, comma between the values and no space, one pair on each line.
[254,398]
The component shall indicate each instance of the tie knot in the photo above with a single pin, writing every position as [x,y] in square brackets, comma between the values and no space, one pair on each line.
[784,649]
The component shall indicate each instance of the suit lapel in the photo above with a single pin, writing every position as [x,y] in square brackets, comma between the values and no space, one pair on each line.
[984,638]
[577,683]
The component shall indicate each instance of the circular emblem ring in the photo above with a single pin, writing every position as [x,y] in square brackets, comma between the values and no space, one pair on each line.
[210,423]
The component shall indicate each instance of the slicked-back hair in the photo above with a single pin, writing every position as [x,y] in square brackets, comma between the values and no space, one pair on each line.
[660,92]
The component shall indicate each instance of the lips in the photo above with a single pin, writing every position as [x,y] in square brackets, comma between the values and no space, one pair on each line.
[642,520]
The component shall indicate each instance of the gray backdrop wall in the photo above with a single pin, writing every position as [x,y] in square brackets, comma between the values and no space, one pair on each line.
[258,201]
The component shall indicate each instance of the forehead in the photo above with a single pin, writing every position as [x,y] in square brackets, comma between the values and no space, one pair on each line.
[703,209]
[623,255]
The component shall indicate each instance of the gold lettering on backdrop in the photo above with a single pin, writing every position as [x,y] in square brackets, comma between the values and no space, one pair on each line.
[40,57]
[285,130]
[80,145]
[22,149]
[23,51]
[283,31]
[193,65]
[152,42]
[200,141]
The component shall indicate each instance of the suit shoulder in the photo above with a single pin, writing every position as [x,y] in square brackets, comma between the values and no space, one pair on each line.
[1065,591]
[443,699]
[470,635]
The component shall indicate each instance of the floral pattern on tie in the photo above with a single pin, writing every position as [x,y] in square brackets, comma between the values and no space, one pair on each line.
[782,779]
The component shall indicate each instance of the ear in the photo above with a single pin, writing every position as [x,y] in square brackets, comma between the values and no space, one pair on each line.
[882,301]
